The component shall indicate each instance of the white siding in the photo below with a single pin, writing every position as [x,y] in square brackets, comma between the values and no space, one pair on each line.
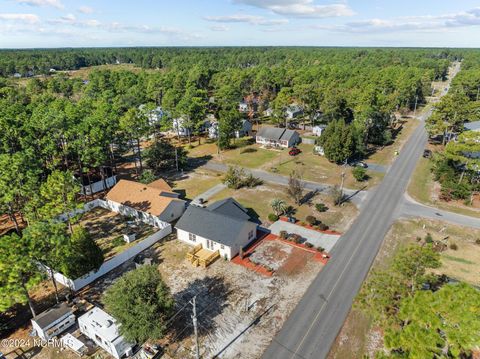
[229,252]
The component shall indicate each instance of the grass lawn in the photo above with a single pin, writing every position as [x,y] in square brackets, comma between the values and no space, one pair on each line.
[251,156]
[385,156]
[318,169]
[195,183]
[84,72]
[358,336]
[421,189]
[258,200]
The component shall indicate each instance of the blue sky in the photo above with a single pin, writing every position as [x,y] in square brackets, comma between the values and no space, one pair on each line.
[64,23]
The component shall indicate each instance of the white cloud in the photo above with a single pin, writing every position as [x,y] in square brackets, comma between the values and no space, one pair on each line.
[219,28]
[85,9]
[54,3]
[410,23]
[249,19]
[300,8]
[23,18]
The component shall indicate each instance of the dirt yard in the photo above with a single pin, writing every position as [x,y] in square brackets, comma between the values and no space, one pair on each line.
[107,229]
[239,310]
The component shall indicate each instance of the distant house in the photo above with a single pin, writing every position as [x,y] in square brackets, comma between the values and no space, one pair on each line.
[213,130]
[268,112]
[245,130]
[293,111]
[101,327]
[318,130]
[224,226]
[151,203]
[277,137]
[155,115]
[52,70]
[180,128]
[243,107]
[472,126]
[17,75]
[53,321]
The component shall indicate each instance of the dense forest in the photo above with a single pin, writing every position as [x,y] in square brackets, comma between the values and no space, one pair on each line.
[53,126]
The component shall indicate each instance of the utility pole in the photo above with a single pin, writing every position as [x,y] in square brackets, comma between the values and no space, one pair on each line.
[194,319]
[176,158]
[343,178]
[415,110]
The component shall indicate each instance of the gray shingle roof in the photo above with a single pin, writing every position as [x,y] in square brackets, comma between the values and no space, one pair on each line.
[52,314]
[229,207]
[472,126]
[276,133]
[221,222]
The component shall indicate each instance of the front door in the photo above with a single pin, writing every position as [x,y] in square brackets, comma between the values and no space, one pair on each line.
[209,244]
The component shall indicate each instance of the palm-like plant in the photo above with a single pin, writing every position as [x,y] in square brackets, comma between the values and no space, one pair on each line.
[278,205]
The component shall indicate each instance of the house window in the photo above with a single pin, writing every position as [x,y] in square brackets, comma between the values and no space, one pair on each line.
[192,237]
[250,234]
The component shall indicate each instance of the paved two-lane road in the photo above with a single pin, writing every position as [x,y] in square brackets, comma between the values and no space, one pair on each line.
[314,324]
[312,327]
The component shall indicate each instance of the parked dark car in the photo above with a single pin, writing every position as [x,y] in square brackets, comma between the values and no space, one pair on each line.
[294,151]
[361,164]
[427,153]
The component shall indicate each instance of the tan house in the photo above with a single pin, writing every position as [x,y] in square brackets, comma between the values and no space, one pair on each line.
[153,202]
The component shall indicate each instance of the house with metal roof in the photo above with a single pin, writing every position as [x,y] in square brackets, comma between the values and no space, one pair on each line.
[277,137]
[224,227]
[472,126]
[102,328]
[53,321]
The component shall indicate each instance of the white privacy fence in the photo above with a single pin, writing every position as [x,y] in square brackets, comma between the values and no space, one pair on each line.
[164,229]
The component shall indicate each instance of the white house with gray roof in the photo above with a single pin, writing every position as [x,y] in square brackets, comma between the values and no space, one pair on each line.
[277,137]
[53,321]
[224,226]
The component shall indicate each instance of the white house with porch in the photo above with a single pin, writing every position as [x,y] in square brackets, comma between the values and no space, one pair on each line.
[224,226]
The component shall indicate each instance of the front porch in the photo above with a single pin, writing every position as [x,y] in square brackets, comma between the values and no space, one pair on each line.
[202,257]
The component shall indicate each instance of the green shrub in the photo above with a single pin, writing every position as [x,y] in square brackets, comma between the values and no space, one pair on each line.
[477,241]
[453,246]
[272,217]
[320,249]
[322,227]
[251,181]
[359,173]
[428,238]
[118,241]
[248,150]
[321,207]
[283,234]
[308,245]
[311,220]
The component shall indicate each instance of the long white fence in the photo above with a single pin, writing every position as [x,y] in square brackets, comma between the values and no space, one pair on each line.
[164,230]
